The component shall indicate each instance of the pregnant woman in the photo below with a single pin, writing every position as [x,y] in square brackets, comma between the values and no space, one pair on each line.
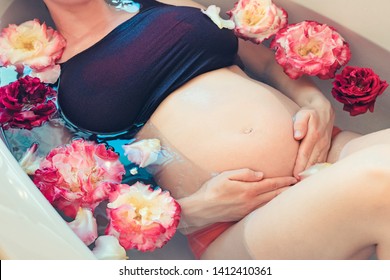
[169,72]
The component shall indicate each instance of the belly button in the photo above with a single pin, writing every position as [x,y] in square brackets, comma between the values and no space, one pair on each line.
[247,130]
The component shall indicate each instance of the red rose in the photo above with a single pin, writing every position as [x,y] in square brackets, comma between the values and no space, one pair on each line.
[26,103]
[357,88]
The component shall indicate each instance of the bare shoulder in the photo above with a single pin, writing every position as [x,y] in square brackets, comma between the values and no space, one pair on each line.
[182,3]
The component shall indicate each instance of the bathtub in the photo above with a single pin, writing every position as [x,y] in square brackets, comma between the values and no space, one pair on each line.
[32,229]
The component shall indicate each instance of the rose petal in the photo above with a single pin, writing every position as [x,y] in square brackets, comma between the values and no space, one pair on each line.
[48,75]
[212,12]
[84,225]
[107,247]
[29,161]
[143,152]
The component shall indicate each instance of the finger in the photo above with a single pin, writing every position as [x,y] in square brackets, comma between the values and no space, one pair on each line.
[300,125]
[272,184]
[303,156]
[306,153]
[244,175]
[319,155]
[320,149]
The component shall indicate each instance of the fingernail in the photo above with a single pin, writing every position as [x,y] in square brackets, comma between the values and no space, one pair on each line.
[297,133]
[259,174]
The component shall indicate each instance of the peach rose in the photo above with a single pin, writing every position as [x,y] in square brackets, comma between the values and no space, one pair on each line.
[142,218]
[257,20]
[31,44]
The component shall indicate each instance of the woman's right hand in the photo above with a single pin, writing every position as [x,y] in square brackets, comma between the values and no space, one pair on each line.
[230,196]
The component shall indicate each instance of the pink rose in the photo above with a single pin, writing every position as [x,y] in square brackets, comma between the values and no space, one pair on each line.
[80,174]
[26,103]
[142,218]
[31,44]
[310,48]
[357,88]
[257,20]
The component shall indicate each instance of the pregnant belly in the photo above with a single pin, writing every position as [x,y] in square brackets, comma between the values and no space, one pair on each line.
[223,121]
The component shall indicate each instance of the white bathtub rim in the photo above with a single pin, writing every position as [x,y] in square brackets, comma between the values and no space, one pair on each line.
[27,218]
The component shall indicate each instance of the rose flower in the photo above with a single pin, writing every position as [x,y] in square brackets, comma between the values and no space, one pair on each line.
[310,48]
[35,45]
[26,103]
[357,88]
[142,218]
[257,20]
[79,174]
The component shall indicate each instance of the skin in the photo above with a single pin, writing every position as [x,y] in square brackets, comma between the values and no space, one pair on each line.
[291,225]
[355,222]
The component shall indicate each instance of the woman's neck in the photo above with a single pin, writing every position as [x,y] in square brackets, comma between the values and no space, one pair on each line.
[84,23]
[76,20]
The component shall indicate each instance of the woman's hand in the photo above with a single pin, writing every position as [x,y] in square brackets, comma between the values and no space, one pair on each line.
[313,123]
[313,126]
[230,196]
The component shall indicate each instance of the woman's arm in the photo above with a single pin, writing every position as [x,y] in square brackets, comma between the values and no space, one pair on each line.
[229,196]
[313,124]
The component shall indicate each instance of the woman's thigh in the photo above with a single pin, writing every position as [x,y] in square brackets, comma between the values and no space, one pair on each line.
[348,142]
[334,214]
[358,143]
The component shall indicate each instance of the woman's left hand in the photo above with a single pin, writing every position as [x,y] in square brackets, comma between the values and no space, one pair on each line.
[313,127]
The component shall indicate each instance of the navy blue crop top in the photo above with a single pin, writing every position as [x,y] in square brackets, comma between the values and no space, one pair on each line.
[117,84]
